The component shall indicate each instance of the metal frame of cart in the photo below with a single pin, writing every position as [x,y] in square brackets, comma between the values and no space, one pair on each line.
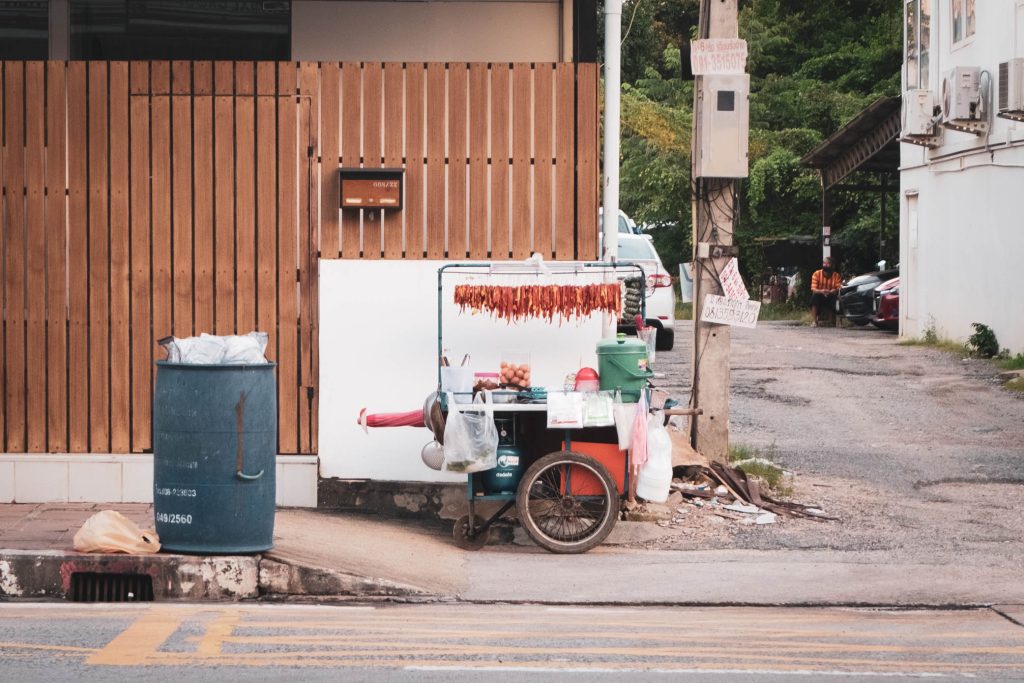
[567,502]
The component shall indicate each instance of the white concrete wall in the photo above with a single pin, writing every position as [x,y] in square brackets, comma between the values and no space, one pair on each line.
[378,350]
[529,31]
[963,264]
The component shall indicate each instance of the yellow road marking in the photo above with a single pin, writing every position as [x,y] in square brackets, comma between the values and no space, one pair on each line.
[139,642]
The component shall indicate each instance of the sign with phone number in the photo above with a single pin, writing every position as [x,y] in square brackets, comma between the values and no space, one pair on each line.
[718,56]
[718,309]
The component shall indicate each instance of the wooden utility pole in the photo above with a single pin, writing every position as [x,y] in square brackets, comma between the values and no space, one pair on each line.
[713,218]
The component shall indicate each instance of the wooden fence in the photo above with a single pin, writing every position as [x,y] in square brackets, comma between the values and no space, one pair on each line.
[147,199]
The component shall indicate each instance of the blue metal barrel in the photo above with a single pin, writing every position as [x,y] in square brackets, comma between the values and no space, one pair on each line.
[214,450]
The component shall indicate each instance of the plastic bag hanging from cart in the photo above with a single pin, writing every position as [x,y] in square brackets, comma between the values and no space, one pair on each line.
[470,439]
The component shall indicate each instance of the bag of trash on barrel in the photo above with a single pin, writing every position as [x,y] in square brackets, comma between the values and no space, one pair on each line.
[111,532]
[470,439]
[209,349]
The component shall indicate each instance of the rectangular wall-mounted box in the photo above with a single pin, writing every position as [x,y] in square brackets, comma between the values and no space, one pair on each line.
[371,188]
[725,125]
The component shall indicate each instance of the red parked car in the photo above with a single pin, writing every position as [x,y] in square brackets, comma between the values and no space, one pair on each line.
[887,305]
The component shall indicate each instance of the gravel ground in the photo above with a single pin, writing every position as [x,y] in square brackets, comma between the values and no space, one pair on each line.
[918,452]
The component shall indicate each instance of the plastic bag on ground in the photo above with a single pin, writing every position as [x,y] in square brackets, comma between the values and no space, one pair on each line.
[109,531]
[209,349]
[470,440]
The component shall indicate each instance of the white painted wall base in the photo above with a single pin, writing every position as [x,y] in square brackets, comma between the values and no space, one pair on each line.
[99,478]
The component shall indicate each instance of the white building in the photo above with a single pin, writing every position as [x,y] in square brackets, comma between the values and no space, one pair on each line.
[962,179]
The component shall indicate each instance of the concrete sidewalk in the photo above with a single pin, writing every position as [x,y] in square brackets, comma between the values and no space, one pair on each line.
[319,554]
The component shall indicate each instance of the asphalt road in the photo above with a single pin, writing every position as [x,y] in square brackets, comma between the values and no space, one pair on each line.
[466,642]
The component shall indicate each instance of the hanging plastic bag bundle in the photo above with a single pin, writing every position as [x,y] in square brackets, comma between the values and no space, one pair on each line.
[655,478]
[470,439]
[625,414]
[638,440]
[109,531]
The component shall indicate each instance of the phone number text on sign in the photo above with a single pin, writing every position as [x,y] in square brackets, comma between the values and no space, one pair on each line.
[718,309]
[718,56]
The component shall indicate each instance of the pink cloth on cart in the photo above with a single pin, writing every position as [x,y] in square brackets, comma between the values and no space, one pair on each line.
[638,447]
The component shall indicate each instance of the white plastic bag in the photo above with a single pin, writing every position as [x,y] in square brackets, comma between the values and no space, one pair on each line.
[565,411]
[597,410]
[109,531]
[470,439]
[209,349]
[655,478]
[624,414]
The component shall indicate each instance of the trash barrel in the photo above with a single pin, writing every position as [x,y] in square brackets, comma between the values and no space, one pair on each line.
[214,449]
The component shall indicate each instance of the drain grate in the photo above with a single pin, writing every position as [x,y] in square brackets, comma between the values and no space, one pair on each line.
[99,587]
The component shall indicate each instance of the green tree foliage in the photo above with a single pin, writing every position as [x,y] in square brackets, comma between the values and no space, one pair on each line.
[813,67]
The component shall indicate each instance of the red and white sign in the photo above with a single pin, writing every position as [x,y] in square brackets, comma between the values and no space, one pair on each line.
[718,56]
[732,282]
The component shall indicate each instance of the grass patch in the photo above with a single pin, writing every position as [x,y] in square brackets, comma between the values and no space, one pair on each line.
[684,311]
[785,311]
[1015,385]
[1012,362]
[760,463]
[940,344]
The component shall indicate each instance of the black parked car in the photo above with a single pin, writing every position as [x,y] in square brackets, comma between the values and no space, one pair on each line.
[856,296]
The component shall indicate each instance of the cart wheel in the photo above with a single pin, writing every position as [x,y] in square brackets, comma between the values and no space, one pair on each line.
[567,502]
[460,532]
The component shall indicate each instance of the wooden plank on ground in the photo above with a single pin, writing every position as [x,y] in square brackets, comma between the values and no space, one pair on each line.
[499,161]
[245,199]
[142,319]
[394,111]
[522,115]
[203,246]
[373,153]
[287,263]
[307,242]
[14,265]
[224,198]
[415,234]
[35,256]
[78,260]
[478,156]
[565,145]
[99,260]
[266,205]
[436,242]
[181,211]
[333,238]
[586,161]
[56,259]
[458,226]
[120,277]
[351,156]
[543,156]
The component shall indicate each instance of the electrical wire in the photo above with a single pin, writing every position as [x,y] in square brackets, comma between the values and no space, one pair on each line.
[636,4]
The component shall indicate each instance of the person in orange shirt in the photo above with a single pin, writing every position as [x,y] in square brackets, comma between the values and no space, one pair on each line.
[825,285]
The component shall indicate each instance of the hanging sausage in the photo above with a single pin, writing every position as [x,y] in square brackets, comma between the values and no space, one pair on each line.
[540,301]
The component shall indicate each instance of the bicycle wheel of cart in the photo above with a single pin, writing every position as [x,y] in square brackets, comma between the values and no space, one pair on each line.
[567,502]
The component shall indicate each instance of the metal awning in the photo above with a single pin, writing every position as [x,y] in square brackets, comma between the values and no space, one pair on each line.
[869,142]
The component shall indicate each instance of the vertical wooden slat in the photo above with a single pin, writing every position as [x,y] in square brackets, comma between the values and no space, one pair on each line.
[99,261]
[120,280]
[266,205]
[14,270]
[331,241]
[565,141]
[543,110]
[245,199]
[3,264]
[181,193]
[160,199]
[56,260]
[203,188]
[307,244]
[224,197]
[478,154]
[522,114]
[78,260]
[142,321]
[414,155]
[499,161]
[287,264]
[372,151]
[351,108]
[35,257]
[586,162]
[458,227]
[394,109]
[436,243]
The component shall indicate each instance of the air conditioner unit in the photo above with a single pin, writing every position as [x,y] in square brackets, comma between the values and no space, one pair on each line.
[920,115]
[1011,89]
[963,101]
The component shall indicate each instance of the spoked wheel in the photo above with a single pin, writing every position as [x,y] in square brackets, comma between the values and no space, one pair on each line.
[567,502]
[460,532]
